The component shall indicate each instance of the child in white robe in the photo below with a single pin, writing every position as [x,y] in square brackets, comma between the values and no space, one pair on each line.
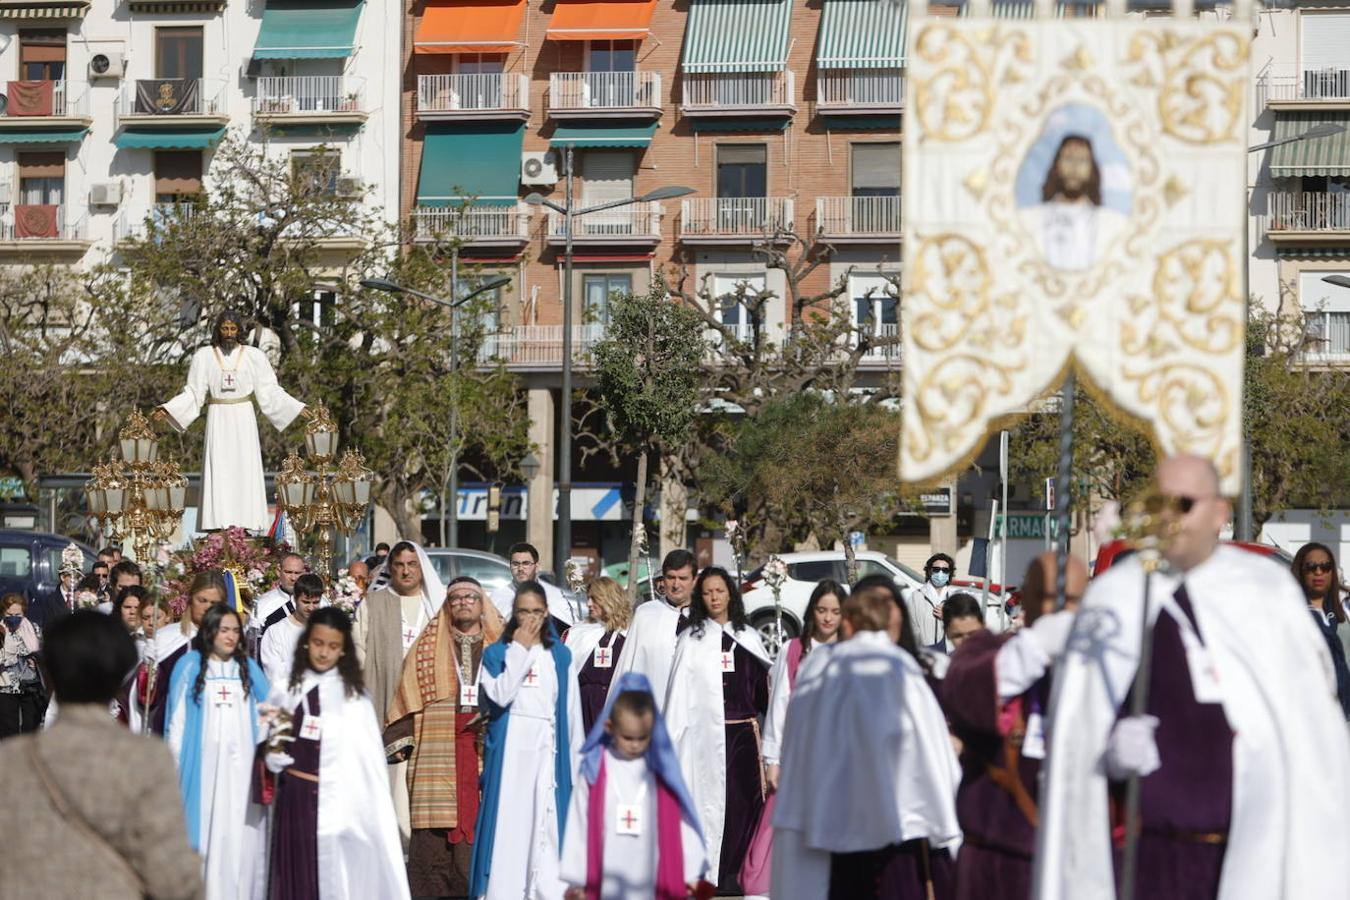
[632,830]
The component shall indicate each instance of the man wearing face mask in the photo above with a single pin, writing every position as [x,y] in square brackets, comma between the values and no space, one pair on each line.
[227,377]
[925,601]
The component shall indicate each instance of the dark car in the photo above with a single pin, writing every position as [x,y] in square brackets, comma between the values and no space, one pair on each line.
[30,564]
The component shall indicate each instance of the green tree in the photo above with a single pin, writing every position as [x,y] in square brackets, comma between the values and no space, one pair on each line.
[647,374]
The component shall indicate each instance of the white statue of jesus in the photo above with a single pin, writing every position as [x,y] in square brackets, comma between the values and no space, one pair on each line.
[228,377]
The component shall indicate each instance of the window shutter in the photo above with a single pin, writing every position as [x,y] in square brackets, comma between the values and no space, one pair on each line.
[42,46]
[178,172]
[730,154]
[1326,38]
[42,165]
[606,175]
[876,166]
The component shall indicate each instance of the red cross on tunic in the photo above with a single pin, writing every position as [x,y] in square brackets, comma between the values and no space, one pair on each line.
[408,635]
[628,819]
[726,661]
[530,677]
[602,656]
[224,694]
[227,381]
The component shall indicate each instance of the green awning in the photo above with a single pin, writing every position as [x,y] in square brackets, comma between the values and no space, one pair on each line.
[860,123]
[1328,155]
[862,34]
[38,136]
[736,36]
[735,124]
[298,30]
[481,161]
[168,139]
[604,135]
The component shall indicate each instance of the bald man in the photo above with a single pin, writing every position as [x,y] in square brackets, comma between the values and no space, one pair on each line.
[995,695]
[1243,756]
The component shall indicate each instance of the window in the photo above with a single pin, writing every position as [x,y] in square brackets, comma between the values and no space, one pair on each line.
[480,63]
[874,301]
[876,170]
[480,82]
[742,171]
[611,56]
[42,178]
[596,291]
[611,81]
[816,570]
[316,310]
[42,55]
[735,296]
[607,175]
[178,53]
[15,562]
[1326,308]
[178,176]
[315,172]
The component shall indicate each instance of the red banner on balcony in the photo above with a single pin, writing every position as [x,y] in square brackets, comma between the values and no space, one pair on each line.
[36,221]
[31,98]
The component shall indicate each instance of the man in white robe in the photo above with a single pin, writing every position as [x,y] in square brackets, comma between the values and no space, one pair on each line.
[277,650]
[227,377]
[1253,656]
[386,626]
[650,645]
[276,604]
[525,567]
[867,762]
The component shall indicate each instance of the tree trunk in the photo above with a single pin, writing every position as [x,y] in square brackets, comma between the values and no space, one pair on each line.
[674,507]
[850,557]
[635,545]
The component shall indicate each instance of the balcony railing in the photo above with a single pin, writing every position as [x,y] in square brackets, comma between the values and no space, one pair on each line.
[883,332]
[29,100]
[735,217]
[860,90]
[862,217]
[162,97]
[40,222]
[1306,211]
[463,94]
[740,92]
[1296,84]
[538,345]
[1328,338]
[482,224]
[143,223]
[600,91]
[640,222]
[307,95]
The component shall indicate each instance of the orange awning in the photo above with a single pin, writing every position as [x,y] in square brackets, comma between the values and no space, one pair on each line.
[469,26]
[601,20]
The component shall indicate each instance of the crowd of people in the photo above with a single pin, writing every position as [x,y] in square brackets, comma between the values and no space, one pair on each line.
[444,741]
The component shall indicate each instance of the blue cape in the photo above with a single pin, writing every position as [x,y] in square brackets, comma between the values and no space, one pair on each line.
[661,759]
[190,758]
[494,756]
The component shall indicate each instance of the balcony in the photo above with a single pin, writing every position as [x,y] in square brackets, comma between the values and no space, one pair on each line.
[1294,87]
[538,346]
[1307,218]
[886,355]
[734,220]
[598,95]
[146,223]
[739,94]
[860,92]
[45,104]
[172,101]
[35,231]
[859,220]
[309,100]
[639,224]
[1328,342]
[443,98]
[477,226]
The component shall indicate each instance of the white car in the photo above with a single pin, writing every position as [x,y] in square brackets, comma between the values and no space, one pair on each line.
[805,570]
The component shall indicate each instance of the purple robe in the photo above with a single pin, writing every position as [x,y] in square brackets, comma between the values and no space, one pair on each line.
[898,872]
[745,695]
[295,826]
[996,853]
[593,682]
[1192,794]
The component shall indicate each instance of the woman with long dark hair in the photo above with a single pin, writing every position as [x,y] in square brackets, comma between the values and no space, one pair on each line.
[213,731]
[1315,568]
[718,692]
[529,697]
[332,799]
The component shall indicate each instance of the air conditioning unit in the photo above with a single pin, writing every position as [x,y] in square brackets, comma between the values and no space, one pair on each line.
[540,168]
[5,192]
[106,193]
[107,65]
[350,186]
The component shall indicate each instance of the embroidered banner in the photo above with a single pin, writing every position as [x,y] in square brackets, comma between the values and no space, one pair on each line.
[1074,195]
[167,97]
[31,98]
[36,220]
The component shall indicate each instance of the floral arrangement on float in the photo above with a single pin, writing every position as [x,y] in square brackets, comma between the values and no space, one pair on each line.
[255,563]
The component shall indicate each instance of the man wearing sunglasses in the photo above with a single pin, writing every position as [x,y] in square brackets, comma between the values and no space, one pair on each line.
[925,601]
[1243,755]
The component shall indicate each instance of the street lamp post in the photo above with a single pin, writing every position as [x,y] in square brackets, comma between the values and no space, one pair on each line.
[384,284]
[563,539]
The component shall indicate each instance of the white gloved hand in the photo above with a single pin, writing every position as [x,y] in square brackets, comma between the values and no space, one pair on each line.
[1132,749]
[1051,632]
[277,761]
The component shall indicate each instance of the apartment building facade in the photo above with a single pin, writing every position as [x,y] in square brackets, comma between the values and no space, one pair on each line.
[112,112]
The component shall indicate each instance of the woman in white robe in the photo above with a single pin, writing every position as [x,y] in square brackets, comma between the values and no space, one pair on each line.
[213,733]
[227,377]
